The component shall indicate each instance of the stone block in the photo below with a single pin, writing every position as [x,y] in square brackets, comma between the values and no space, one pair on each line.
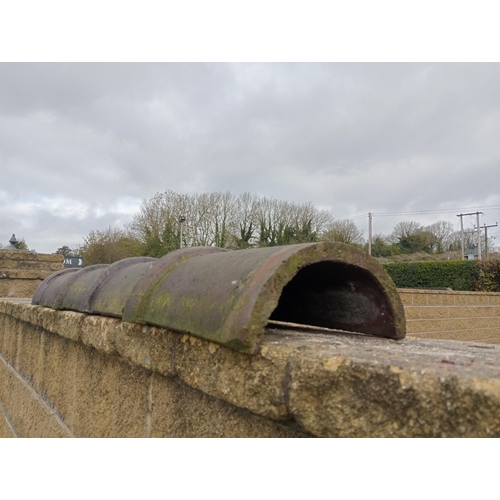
[17,255]
[251,382]
[26,410]
[434,299]
[69,325]
[8,339]
[50,257]
[4,395]
[149,347]
[412,312]
[8,264]
[494,299]
[488,339]
[454,324]
[457,311]
[6,430]
[432,312]
[406,297]
[409,388]
[132,405]
[481,311]
[49,319]
[419,299]
[426,325]
[100,332]
[487,322]
[181,411]
[465,335]
[22,274]
[16,308]
[34,265]
[482,299]
[409,327]
[57,430]
[28,361]
[95,395]
[448,299]
[472,299]
[57,374]
[25,312]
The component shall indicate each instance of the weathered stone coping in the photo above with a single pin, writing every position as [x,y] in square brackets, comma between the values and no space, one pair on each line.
[338,385]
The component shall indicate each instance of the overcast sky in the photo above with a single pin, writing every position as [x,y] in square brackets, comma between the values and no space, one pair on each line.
[82,144]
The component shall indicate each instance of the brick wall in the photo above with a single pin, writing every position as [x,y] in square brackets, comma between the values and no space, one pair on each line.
[446,314]
[22,271]
[65,374]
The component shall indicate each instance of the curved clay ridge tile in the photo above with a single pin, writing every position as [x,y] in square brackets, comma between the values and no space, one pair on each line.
[229,297]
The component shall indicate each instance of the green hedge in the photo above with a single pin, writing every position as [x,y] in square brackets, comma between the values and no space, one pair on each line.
[489,276]
[454,274]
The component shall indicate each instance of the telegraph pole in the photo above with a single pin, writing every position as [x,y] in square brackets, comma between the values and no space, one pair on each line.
[479,256]
[370,233]
[462,235]
[485,227]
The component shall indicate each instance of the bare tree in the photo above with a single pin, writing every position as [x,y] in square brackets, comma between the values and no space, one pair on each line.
[404,229]
[281,223]
[221,219]
[108,246]
[244,226]
[441,232]
[343,231]
[65,251]
[156,225]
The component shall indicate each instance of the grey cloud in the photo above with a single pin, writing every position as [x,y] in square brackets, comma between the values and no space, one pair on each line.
[353,137]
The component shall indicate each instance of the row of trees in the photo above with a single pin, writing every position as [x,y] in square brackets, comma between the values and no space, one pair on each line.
[170,220]
[223,220]
[213,219]
[410,237]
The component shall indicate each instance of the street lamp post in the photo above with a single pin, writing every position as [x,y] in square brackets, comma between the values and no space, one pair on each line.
[182,219]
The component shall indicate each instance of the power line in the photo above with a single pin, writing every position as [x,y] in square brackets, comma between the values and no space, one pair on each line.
[492,220]
[418,212]
[357,217]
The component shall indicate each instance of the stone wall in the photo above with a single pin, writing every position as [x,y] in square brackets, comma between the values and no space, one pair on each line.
[65,374]
[22,271]
[446,314]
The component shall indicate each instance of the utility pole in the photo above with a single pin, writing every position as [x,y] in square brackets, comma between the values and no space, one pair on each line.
[485,227]
[479,256]
[462,235]
[370,218]
[478,234]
